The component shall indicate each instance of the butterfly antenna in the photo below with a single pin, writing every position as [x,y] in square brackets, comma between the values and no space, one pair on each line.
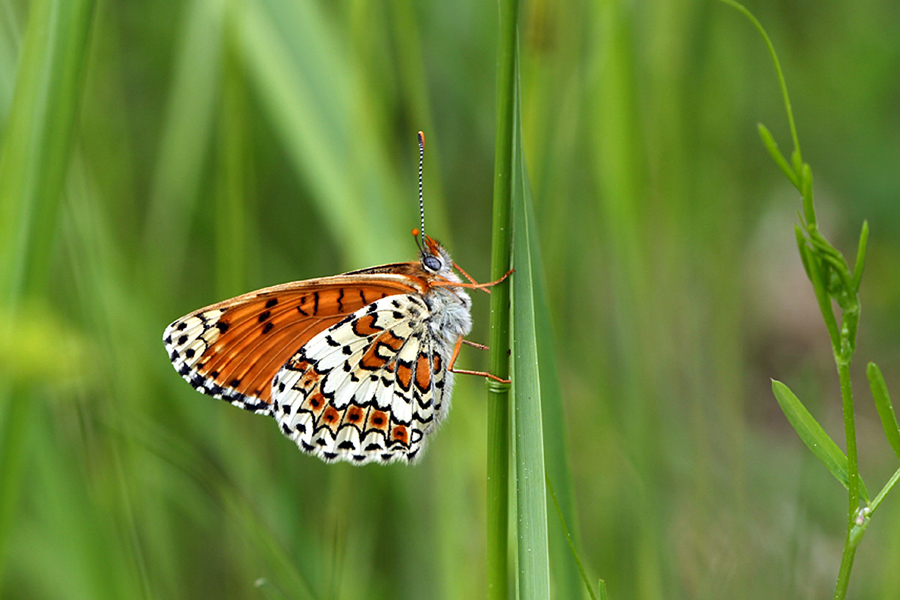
[421,137]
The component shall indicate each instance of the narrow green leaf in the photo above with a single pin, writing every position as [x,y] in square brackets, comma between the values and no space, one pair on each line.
[817,277]
[533,560]
[775,153]
[572,548]
[814,436]
[567,581]
[884,406]
[797,161]
[186,138]
[803,248]
[604,595]
[860,256]
[806,183]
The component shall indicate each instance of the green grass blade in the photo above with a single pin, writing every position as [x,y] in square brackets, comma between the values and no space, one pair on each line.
[308,88]
[234,165]
[814,436]
[185,140]
[38,138]
[567,581]
[884,406]
[498,442]
[33,166]
[533,563]
[571,543]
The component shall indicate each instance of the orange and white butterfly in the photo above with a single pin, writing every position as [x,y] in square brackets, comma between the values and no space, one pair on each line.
[355,367]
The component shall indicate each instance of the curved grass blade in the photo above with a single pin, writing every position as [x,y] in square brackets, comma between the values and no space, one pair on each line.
[575,555]
[814,436]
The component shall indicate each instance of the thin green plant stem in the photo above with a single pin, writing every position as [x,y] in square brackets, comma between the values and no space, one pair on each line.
[832,282]
[787,101]
[849,553]
[876,502]
[498,443]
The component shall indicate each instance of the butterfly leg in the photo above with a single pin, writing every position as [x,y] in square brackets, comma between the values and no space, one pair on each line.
[456,348]
[473,285]
[475,345]
[469,277]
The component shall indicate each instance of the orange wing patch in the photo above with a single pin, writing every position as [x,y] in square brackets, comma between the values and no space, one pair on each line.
[404,375]
[354,415]
[400,434]
[423,373]
[331,418]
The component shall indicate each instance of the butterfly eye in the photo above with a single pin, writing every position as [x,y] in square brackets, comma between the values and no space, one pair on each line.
[432,262]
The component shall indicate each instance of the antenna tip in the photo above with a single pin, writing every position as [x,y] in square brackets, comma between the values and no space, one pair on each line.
[421,136]
[415,232]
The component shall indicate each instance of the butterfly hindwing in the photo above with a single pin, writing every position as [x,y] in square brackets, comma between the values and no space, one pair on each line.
[370,388]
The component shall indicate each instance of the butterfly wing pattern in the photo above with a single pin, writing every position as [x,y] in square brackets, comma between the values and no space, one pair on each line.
[354,367]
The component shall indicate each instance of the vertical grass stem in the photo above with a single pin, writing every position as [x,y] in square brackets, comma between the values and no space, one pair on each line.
[498,397]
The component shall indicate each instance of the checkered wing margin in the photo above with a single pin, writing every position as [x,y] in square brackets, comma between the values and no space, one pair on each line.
[370,388]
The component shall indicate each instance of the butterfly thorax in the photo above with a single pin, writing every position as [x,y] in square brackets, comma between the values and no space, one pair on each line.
[450,316]
[450,306]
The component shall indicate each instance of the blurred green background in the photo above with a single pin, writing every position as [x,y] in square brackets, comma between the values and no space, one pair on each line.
[159,156]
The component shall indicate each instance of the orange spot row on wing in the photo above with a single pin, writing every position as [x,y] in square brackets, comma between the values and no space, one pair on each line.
[400,434]
[378,420]
[423,373]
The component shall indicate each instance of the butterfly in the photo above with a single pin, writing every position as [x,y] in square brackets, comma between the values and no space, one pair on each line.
[355,367]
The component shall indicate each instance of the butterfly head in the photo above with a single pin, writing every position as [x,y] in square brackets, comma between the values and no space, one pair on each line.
[434,258]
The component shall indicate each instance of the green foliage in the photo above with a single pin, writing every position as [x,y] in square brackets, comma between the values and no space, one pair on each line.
[884,406]
[814,436]
[833,283]
[159,156]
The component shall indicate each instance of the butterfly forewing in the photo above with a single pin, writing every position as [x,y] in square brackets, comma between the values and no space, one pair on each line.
[233,349]
[367,389]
